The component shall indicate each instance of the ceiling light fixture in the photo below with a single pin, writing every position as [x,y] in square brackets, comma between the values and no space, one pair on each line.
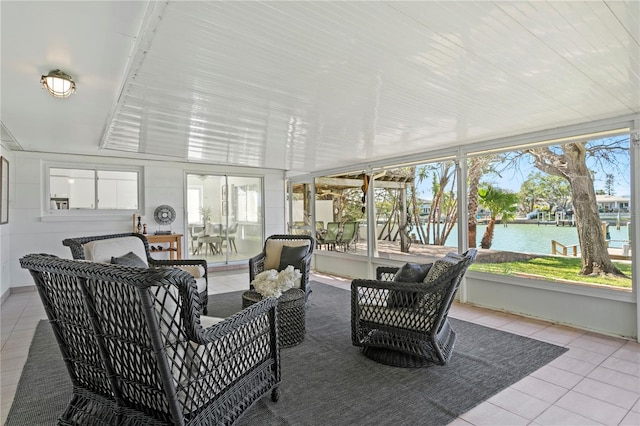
[58,83]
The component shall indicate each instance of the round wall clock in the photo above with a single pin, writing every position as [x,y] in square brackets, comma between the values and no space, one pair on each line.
[164,214]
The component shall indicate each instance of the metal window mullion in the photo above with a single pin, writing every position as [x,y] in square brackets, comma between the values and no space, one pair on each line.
[95,189]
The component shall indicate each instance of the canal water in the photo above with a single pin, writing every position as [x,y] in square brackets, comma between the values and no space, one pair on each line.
[533,238]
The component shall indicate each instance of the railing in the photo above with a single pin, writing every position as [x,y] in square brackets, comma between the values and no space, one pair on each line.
[559,248]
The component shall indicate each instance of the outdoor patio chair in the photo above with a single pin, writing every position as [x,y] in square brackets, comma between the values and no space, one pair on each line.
[348,235]
[138,351]
[331,236]
[104,248]
[298,252]
[299,228]
[400,318]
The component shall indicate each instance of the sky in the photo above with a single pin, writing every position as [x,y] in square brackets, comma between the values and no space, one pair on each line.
[512,179]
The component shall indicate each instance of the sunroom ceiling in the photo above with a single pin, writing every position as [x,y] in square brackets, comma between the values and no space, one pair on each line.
[311,86]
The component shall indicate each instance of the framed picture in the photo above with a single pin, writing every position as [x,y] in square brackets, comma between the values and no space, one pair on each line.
[4,191]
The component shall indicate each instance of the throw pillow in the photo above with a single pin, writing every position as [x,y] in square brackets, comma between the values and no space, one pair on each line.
[196,270]
[291,255]
[273,247]
[431,301]
[129,259]
[440,267]
[408,273]
[453,257]
[412,272]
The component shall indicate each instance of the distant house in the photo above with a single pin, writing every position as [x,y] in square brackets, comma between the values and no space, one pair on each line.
[613,204]
[425,207]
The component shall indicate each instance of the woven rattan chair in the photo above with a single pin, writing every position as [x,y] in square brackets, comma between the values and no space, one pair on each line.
[272,247]
[78,252]
[138,352]
[405,324]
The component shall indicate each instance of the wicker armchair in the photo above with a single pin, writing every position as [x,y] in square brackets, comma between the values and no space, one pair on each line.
[405,324]
[138,352]
[78,252]
[270,256]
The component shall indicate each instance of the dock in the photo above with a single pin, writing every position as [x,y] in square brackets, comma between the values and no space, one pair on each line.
[573,250]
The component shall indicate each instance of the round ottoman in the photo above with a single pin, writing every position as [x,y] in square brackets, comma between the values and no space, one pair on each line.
[291,321]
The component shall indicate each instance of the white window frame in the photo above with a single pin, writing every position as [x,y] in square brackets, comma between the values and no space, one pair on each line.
[49,213]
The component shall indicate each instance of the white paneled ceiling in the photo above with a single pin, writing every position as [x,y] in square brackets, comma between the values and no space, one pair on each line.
[309,86]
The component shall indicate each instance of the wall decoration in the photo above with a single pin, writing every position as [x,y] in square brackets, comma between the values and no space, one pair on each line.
[4,191]
[164,215]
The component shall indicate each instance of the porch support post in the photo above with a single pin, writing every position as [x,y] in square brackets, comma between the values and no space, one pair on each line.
[634,220]
[463,217]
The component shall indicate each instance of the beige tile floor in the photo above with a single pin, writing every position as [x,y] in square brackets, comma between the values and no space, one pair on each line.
[596,382]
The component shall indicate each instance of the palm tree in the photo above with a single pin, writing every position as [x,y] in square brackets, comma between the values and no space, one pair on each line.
[499,202]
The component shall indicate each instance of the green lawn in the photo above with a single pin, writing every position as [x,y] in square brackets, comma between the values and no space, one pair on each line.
[555,269]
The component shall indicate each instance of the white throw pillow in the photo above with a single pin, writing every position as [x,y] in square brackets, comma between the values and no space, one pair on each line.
[104,250]
[196,270]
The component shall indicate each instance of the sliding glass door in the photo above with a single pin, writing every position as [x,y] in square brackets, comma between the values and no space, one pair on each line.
[224,215]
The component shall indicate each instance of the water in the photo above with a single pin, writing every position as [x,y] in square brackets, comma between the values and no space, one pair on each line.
[534,238]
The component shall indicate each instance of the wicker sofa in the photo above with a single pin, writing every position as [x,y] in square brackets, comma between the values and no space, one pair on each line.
[138,351]
[101,248]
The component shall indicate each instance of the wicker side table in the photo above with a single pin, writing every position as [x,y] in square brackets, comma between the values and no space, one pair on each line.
[291,320]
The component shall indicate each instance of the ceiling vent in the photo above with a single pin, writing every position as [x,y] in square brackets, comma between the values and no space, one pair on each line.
[8,141]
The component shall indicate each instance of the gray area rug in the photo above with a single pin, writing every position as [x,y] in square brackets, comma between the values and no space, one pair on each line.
[326,380]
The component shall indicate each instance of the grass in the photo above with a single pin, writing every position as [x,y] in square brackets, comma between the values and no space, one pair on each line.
[556,269]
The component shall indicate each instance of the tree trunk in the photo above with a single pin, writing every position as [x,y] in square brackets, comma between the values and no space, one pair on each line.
[487,238]
[595,256]
[417,220]
[451,214]
[572,166]
[475,173]
[434,217]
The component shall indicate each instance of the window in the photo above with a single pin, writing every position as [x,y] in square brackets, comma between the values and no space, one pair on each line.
[340,212]
[422,205]
[558,212]
[529,215]
[98,188]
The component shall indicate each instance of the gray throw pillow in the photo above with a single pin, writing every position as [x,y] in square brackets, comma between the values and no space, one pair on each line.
[408,273]
[292,255]
[129,259]
[453,257]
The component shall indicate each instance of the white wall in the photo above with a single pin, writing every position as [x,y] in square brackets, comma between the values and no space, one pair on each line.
[164,183]
[605,311]
[5,230]
[583,307]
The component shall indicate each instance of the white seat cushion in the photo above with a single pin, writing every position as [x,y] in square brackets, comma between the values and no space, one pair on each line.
[197,272]
[201,284]
[207,321]
[104,250]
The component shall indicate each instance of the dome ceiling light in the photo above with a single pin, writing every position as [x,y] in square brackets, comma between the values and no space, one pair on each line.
[58,83]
